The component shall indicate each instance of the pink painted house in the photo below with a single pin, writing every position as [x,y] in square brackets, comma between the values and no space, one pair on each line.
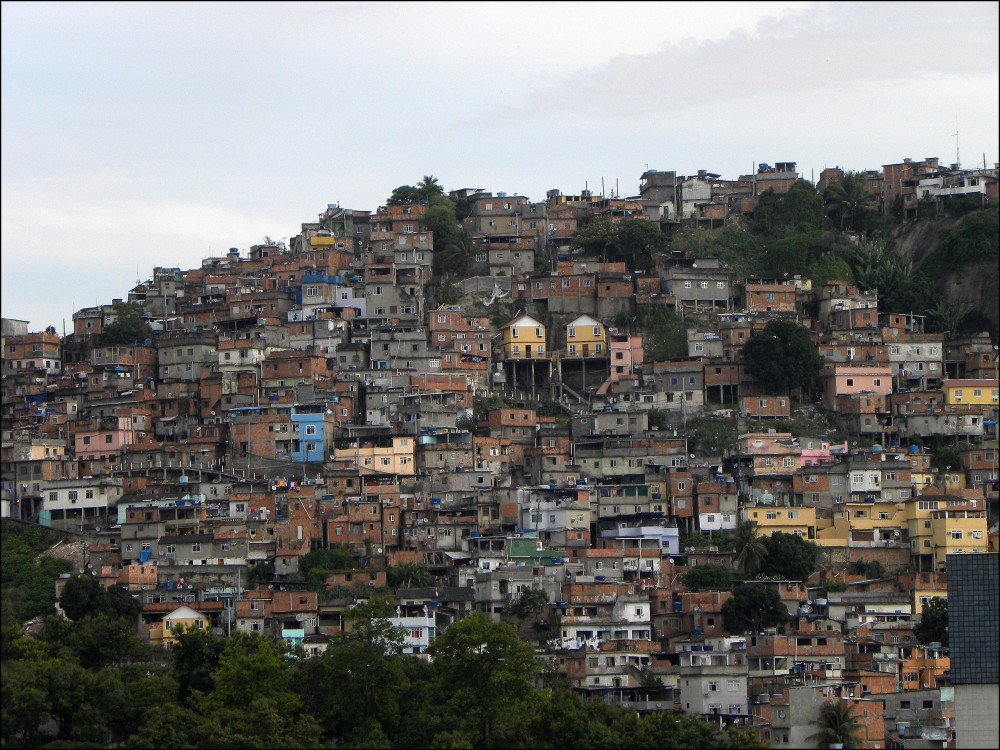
[849,380]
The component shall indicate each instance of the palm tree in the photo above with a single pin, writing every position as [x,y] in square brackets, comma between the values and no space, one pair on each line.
[849,199]
[947,316]
[429,187]
[837,725]
[408,575]
[750,550]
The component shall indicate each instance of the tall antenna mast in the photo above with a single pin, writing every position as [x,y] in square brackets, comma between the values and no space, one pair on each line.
[958,160]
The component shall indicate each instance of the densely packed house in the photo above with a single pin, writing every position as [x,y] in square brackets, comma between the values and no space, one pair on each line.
[315,396]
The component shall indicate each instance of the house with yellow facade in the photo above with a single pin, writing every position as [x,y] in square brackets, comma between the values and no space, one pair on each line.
[940,524]
[182,618]
[586,337]
[864,524]
[396,457]
[523,338]
[772,519]
[965,391]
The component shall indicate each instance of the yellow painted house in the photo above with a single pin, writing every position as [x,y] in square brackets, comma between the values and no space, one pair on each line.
[970,391]
[772,519]
[522,338]
[397,458]
[864,524]
[940,525]
[586,337]
[184,617]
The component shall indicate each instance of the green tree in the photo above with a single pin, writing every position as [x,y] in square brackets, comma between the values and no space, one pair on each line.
[976,238]
[752,608]
[793,253]
[800,209]
[25,703]
[529,605]
[484,669]
[77,596]
[317,565]
[196,654]
[352,684]
[837,724]
[735,246]
[829,266]
[28,580]
[848,201]
[946,316]
[638,242]
[254,678]
[877,265]
[664,333]
[449,294]
[404,194]
[783,357]
[408,575]
[102,640]
[789,556]
[750,550]
[634,242]
[129,326]
[429,188]
[933,625]
[708,578]
[597,237]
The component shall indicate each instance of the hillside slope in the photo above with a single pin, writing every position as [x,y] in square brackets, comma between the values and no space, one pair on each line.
[966,280]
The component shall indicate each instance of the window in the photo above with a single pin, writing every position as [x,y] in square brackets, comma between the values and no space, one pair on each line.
[732,686]
[713,686]
[956,533]
[850,381]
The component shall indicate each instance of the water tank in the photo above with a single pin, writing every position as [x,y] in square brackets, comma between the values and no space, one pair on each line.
[914,449]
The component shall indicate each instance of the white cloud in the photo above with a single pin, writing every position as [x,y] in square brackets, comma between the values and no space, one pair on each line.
[148,133]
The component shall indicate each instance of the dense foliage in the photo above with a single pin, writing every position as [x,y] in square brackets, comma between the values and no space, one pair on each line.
[752,608]
[933,625]
[635,241]
[28,588]
[709,577]
[94,683]
[789,556]
[783,357]
[129,326]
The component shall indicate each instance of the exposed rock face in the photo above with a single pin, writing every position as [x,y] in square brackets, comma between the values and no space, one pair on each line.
[975,283]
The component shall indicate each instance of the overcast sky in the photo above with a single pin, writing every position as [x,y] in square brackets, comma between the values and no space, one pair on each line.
[143,135]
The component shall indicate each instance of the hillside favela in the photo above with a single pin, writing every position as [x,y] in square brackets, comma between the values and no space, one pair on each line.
[713,465]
